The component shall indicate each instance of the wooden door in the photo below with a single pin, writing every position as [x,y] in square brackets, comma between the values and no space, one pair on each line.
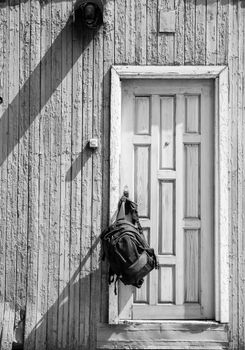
[167,164]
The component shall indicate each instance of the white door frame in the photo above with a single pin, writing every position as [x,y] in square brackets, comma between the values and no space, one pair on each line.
[221,156]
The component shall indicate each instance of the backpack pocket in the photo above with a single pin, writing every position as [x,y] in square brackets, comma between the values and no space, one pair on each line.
[139,269]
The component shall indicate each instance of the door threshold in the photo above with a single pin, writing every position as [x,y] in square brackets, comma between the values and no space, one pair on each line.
[205,322]
[208,335]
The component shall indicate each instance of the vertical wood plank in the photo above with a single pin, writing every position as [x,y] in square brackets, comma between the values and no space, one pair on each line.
[140,35]
[179,45]
[23,195]
[240,173]
[69,332]
[120,30]
[65,178]
[151,32]
[33,25]
[242,178]
[192,181]
[190,31]
[165,40]
[85,241]
[130,20]
[44,183]
[12,176]
[200,32]
[4,66]
[211,35]
[97,189]
[166,219]
[192,266]
[167,130]
[74,334]
[222,31]
[54,189]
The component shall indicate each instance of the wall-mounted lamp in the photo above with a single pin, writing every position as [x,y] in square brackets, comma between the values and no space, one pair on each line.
[91,13]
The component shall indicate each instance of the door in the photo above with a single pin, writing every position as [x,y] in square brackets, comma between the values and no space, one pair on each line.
[167,164]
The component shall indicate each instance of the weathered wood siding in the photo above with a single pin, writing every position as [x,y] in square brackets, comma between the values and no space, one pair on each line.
[55,85]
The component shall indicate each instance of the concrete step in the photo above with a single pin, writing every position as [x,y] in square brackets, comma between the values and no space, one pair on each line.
[171,335]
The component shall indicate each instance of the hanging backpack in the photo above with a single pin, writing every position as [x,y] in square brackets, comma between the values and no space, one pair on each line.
[125,247]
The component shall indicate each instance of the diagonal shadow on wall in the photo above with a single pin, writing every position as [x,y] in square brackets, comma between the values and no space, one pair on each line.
[78,163]
[81,279]
[69,299]
[79,34]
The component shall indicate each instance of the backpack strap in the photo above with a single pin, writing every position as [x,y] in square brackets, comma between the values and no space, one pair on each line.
[135,215]
[121,208]
[132,207]
[138,222]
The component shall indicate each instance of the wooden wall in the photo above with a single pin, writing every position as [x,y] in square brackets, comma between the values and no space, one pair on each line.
[55,85]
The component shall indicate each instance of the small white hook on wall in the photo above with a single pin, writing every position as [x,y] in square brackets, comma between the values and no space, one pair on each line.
[93,143]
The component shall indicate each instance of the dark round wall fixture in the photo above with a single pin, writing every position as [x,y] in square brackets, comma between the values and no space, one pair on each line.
[92,13]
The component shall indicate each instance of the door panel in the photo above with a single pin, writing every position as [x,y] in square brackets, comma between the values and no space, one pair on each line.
[166,218]
[142,179]
[167,130]
[167,164]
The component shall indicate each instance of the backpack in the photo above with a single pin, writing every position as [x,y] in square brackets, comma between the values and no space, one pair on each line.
[125,247]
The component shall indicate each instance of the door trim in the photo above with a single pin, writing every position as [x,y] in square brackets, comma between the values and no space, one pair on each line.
[221,156]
